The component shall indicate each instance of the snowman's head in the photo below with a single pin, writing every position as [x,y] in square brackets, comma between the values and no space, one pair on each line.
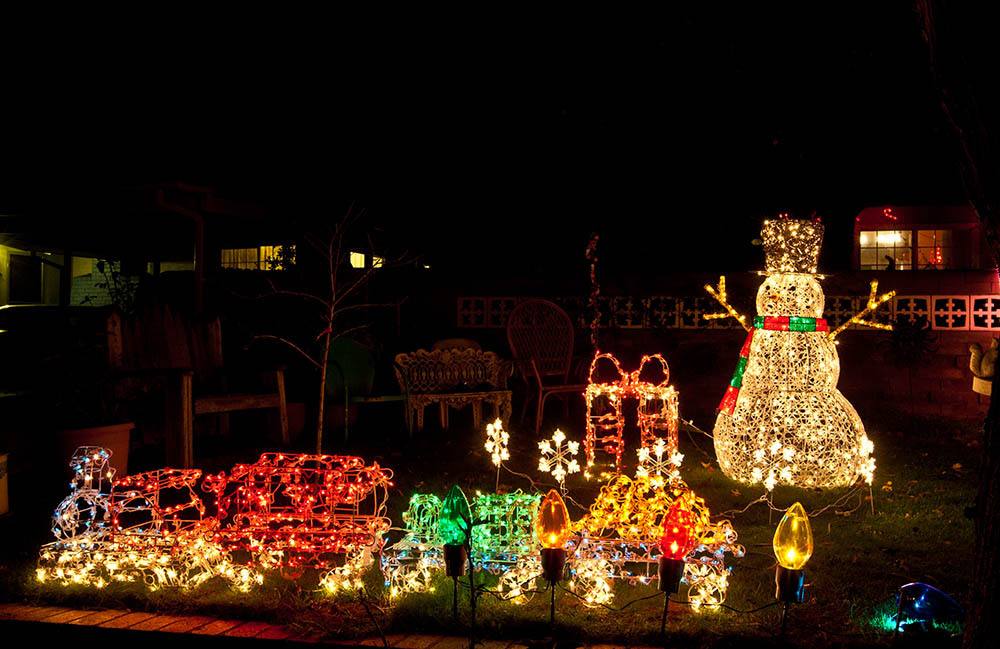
[791,294]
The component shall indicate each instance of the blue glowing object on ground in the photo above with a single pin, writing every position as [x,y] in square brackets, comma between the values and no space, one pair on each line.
[921,607]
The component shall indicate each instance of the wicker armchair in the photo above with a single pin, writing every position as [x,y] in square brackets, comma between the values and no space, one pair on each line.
[541,338]
[452,378]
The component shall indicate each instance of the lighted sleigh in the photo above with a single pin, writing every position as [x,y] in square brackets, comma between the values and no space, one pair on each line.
[295,512]
[615,541]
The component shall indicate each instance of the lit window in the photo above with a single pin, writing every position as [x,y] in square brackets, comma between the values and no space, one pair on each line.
[259,258]
[277,257]
[240,258]
[934,250]
[377,262]
[357,260]
[886,250]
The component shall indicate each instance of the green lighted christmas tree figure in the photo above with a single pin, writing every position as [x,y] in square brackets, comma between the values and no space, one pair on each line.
[782,419]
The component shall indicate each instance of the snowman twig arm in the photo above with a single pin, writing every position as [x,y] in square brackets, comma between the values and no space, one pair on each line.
[874,302]
[719,293]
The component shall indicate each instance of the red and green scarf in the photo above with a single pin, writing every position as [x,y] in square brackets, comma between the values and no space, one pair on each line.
[770,323]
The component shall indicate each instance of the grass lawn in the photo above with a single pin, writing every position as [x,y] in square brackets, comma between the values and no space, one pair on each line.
[918,532]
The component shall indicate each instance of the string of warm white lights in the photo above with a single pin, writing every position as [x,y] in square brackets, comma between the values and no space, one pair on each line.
[656,409]
[408,565]
[287,511]
[874,302]
[84,513]
[306,510]
[782,419]
[156,533]
[497,440]
[719,293]
[558,459]
[618,530]
[657,465]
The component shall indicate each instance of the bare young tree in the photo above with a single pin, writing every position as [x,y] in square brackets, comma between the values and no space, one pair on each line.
[337,297]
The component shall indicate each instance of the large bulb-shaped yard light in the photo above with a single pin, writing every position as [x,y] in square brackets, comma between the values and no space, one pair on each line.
[454,528]
[679,538]
[552,526]
[793,545]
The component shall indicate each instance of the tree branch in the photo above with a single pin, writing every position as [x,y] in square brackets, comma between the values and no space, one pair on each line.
[289,343]
[275,291]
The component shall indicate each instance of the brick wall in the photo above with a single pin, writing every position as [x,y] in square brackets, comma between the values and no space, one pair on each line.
[702,358]
[85,286]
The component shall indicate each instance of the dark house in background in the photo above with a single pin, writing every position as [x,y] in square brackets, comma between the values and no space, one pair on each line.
[933,257]
[50,253]
[918,238]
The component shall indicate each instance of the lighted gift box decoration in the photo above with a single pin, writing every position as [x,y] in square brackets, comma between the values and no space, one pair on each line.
[295,511]
[149,527]
[502,536]
[782,419]
[656,409]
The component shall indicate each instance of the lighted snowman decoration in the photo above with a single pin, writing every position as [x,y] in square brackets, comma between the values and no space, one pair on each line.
[782,419]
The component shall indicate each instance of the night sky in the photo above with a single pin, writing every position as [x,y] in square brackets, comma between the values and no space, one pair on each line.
[480,141]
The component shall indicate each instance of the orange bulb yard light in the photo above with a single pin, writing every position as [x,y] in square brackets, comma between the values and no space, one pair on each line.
[553,528]
[552,525]
[793,545]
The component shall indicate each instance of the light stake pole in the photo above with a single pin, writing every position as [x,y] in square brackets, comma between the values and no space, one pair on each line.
[793,545]
[455,557]
[670,572]
[454,528]
[472,593]
[553,563]
[790,589]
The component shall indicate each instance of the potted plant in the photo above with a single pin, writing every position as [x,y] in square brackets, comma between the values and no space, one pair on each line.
[84,409]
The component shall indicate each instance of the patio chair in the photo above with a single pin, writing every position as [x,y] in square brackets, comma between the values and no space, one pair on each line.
[350,378]
[540,335]
[160,343]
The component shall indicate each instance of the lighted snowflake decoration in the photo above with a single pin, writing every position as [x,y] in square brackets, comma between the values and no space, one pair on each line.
[496,442]
[558,459]
[656,464]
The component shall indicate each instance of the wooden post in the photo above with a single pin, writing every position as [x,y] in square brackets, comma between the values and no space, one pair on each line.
[180,420]
[66,279]
[279,378]
[199,266]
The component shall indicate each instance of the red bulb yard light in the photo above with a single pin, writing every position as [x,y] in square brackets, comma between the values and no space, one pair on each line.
[679,538]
